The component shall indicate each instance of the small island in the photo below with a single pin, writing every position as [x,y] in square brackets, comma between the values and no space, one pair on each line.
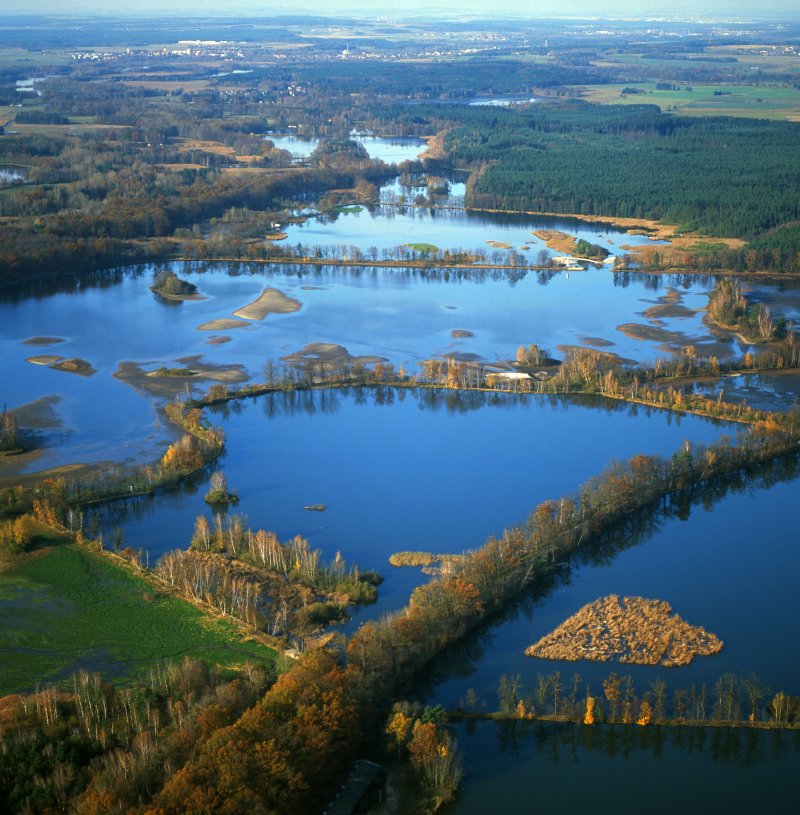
[219,492]
[167,284]
[270,301]
[630,630]
[76,365]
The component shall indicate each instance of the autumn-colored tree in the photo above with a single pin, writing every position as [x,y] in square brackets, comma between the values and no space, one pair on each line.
[645,713]
[398,729]
[435,758]
[588,716]
[612,687]
[181,455]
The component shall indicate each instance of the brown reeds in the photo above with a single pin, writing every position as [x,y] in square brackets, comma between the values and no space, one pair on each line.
[630,630]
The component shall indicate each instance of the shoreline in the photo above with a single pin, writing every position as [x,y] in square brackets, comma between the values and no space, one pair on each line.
[457,715]
[255,389]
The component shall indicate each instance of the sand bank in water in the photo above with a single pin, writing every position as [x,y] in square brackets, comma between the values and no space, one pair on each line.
[44,359]
[43,341]
[223,324]
[270,301]
[330,354]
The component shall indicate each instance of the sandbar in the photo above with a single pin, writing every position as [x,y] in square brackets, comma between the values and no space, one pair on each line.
[669,310]
[39,414]
[43,341]
[223,324]
[464,356]
[653,333]
[134,374]
[178,298]
[330,353]
[607,355]
[596,342]
[461,333]
[44,359]
[270,301]
[559,241]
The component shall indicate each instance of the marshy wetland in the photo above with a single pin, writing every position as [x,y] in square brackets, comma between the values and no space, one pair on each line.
[113,322]
[470,464]
[364,386]
[395,469]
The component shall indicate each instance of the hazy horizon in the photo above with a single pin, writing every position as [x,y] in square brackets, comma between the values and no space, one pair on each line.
[624,9]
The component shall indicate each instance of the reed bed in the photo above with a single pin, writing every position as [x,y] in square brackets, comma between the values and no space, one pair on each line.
[630,630]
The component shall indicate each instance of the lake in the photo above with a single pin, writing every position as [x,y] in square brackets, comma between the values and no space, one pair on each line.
[404,316]
[392,150]
[403,469]
[419,470]
[401,315]
[448,228]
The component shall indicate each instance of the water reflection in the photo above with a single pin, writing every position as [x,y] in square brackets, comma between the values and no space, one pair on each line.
[111,277]
[737,746]
[772,391]
[514,767]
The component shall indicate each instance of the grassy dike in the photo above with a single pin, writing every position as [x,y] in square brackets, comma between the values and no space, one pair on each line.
[64,607]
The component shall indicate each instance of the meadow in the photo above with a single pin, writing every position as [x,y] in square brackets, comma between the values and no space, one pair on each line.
[64,607]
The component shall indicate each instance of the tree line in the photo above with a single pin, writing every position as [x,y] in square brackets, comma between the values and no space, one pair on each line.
[730,700]
[719,176]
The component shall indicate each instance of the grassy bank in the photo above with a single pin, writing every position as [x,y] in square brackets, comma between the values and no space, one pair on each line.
[64,607]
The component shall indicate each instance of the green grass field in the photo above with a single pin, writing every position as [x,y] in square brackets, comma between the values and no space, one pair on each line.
[64,608]
[754,101]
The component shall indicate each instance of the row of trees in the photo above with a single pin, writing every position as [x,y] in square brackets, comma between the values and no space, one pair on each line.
[732,700]
[442,611]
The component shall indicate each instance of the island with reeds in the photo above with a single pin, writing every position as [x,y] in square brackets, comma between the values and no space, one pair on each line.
[629,630]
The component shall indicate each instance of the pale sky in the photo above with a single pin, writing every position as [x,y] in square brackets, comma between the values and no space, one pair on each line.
[695,9]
